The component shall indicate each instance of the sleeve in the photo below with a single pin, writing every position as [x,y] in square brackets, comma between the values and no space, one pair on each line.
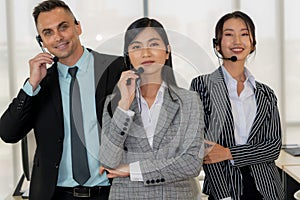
[268,132]
[113,135]
[16,121]
[29,90]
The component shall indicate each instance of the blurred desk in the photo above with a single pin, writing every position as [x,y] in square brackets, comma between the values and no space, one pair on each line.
[10,197]
[289,167]
[293,171]
[286,159]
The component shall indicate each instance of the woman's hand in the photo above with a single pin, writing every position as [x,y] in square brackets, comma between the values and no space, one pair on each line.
[127,90]
[215,153]
[121,171]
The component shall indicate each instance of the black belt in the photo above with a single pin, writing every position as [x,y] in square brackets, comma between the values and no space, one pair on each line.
[81,191]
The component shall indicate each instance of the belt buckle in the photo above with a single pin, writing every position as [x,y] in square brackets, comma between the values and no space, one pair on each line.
[81,192]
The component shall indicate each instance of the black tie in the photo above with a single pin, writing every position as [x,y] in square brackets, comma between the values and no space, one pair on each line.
[81,172]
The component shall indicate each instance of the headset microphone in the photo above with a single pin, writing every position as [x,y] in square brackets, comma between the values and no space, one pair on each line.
[137,72]
[55,59]
[39,41]
[232,58]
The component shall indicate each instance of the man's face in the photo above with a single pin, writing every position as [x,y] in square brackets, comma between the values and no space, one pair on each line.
[60,34]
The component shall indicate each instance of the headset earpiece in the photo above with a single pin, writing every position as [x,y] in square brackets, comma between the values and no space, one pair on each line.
[39,38]
[215,43]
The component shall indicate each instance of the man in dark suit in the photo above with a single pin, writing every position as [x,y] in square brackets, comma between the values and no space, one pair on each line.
[43,104]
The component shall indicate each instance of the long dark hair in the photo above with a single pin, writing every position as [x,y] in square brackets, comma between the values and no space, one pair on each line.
[237,14]
[136,28]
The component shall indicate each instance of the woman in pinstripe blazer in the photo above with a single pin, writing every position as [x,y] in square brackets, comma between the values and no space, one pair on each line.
[152,145]
[242,124]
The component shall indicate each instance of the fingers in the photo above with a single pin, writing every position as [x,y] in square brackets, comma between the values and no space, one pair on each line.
[126,76]
[109,174]
[127,91]
[209,142]
[40,59]
[101,170]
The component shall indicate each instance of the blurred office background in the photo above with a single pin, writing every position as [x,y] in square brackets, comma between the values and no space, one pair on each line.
[191,28]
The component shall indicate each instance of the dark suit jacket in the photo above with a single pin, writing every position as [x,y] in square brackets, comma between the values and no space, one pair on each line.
[43,113]
[259,153]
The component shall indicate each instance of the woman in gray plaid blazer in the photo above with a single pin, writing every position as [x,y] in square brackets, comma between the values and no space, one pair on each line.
[152,132]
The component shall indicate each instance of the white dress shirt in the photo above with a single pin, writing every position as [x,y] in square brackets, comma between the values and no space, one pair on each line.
[243,107]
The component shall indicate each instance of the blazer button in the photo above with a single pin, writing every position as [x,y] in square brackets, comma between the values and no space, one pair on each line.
[56,165]
[162,180]
[124,129]
[157,180]
[125,148]
[148,182]
[125,124]
[152,181]
[122,133]
[127,119]
[59,140]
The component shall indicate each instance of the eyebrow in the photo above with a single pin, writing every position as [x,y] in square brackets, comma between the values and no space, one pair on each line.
[58,26]
[138,42]
[229,29]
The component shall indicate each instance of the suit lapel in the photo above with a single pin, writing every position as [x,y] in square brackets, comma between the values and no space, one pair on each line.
[138,130]
[168,111]
[221,109]
[261,112]
[55,93]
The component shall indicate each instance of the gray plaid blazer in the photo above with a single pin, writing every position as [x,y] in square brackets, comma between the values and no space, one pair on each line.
[170,167]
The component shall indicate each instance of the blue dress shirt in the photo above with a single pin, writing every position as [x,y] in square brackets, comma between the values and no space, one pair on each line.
[85,77]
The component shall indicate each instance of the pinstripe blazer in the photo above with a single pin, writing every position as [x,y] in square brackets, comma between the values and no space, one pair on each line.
[169,168]
[261,150]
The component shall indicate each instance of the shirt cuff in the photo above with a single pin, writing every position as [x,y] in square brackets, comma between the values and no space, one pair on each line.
[28,89]
[135,171]
[227,198]
[130,113]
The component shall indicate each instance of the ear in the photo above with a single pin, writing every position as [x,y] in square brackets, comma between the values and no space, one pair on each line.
[216,44]
[78,28]
[168,50]
[252,49]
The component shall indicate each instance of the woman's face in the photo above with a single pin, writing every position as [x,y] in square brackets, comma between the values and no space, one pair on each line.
[148,50]
[236,39]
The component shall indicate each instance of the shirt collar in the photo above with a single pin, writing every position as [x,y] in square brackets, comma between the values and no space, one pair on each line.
[82,64]
[159,96]
[230,80]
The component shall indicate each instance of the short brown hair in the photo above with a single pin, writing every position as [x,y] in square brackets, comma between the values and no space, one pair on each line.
[49,5]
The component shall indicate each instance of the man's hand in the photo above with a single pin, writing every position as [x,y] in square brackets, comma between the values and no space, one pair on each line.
[121,171]
[38,68]
[215,153]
